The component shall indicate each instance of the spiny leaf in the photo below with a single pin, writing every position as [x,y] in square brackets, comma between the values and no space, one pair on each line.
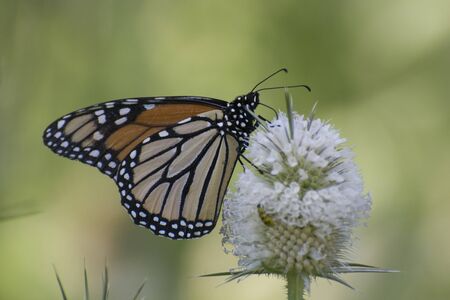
[219,274]
[290,112]
[360,268]
[61,288]
[86,285]
[105,284]
[337,279]
[139,289]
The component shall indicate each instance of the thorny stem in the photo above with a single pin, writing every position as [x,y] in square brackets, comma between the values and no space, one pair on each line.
[295,285]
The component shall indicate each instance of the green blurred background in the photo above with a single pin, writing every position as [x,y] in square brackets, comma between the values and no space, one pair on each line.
[380,70]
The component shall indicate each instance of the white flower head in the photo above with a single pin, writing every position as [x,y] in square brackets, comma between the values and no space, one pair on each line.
[298,211]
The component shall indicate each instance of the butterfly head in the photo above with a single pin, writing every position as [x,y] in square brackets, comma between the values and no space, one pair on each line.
[238,119]
[249,101]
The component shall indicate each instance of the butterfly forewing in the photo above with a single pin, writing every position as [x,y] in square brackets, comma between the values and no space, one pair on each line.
[102,135]
[174,181]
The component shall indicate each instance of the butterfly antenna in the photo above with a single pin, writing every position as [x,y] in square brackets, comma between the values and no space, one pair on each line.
[268,77]
[286,87]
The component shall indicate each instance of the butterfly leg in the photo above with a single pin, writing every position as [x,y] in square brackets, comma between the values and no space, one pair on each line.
[264,119]
[257,123]
[249,162]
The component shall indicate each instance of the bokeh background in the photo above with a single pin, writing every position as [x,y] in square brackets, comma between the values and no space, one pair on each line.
[379,69]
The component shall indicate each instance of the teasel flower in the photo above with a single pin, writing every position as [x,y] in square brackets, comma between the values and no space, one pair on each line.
[293,213]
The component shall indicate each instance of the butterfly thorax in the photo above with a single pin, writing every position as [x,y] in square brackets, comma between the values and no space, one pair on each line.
[238,121]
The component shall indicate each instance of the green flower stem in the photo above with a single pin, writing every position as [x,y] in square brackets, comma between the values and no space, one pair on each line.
[295,285]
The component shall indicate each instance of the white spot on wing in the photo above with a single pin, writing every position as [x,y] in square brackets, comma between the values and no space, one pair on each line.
[99,112]
[94,153]
[124,111]
[101,119]
[61,123]
[149,106]
[121,121]
[98,136]
[163,133]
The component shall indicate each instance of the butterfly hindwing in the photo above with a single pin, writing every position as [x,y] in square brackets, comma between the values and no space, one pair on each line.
[102,135]
[174,181]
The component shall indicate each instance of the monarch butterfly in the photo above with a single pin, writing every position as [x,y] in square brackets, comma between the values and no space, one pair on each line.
[171,157]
